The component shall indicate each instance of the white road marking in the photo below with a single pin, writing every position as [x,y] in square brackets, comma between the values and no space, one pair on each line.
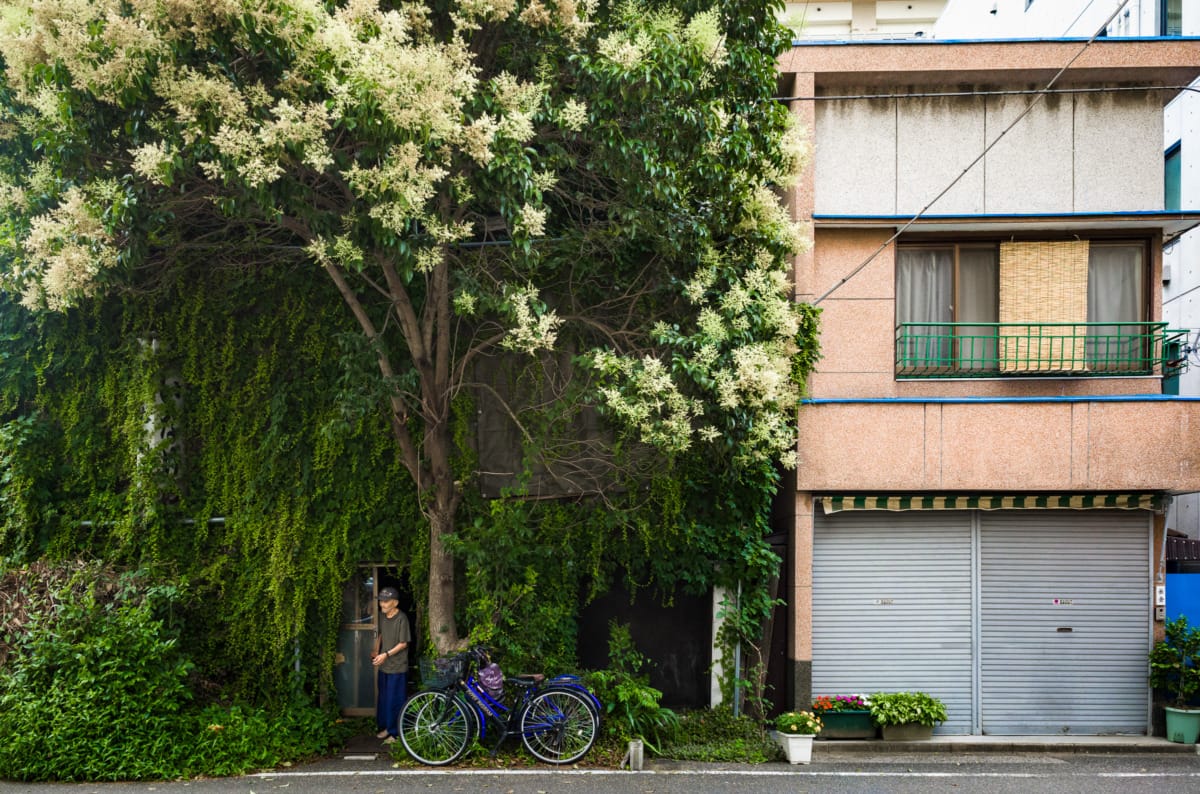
[715,772]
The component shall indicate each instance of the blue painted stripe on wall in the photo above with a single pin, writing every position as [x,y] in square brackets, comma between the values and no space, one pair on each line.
[1105,398]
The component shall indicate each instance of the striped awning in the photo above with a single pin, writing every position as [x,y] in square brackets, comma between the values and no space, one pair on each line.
[1085,501]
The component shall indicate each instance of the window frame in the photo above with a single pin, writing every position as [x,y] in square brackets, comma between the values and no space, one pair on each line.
[1164,18]
[956,283]
[943,241]
[1173,166]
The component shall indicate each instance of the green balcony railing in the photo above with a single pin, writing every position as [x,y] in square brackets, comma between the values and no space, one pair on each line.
[988,350]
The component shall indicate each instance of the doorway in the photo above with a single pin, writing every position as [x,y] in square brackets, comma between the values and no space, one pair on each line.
[353,674]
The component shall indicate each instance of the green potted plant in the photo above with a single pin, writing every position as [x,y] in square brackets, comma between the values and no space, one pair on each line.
[1175,669]
[795,730]
[844,716]
[906,716]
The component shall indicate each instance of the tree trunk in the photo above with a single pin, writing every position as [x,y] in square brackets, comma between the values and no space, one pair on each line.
[428,340]
[442,627]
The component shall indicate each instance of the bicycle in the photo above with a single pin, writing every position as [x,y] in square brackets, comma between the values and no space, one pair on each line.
[557,719]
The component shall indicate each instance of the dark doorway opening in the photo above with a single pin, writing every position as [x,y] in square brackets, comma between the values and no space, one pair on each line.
[677,638]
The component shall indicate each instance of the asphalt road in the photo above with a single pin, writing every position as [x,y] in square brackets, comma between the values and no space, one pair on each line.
[933,773]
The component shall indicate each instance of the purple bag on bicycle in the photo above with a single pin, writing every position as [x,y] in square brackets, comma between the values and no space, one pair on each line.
[492,680]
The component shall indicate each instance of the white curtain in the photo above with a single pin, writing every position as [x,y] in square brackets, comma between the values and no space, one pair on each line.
[978,302]
[1116,297]
[925,294]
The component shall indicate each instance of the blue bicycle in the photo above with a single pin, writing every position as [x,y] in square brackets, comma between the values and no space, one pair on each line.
[557,719]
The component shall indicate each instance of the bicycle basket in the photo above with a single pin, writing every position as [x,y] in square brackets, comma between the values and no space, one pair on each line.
[441,673]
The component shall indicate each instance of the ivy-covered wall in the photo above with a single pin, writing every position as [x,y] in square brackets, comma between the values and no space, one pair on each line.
[228,445]
[239,449]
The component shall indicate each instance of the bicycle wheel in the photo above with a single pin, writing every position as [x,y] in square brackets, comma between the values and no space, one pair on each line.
[435,728]
[588,699]
[558,726]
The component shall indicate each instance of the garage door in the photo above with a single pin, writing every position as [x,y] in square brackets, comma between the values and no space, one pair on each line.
[1064,622]
[892,606]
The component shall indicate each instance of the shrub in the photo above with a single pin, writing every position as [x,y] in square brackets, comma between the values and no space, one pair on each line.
[716,735]
[93,693]
[631,706]
[229,740]
[1175,662]
[901,708]
[97,689]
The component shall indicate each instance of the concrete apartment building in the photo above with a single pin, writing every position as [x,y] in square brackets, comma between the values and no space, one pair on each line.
[863,20]
[1017,19]
[990,438]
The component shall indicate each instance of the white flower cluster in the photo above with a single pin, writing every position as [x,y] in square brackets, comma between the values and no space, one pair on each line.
[11,196]
[417,84]
[740,359]
[486,9]
[465,304]
[764,211]
[72,32]
[190,94]
[532,221]
[535,327]
[704,33]
[573,115]
[520,100]
[623,50]
[648,400]
[151,160]
[66,249]
[797,152]
[398,187]
[477,138]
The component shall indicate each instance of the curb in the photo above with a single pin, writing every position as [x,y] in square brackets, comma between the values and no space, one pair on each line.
[884,748]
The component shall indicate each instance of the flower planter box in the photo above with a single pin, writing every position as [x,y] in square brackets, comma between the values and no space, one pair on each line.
[908,732]
[796,746]
[847,725]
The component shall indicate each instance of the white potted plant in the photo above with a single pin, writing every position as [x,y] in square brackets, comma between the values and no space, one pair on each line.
[795,731]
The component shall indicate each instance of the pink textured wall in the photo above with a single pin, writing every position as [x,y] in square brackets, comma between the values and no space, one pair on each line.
[1021,447]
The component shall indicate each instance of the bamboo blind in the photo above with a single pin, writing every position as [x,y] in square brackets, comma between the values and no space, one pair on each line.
[1042,282]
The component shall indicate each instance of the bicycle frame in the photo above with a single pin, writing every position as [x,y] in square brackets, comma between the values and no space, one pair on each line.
[557,719]
[488,709]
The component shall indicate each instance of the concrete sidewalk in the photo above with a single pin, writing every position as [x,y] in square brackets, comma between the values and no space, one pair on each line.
[367,750]
[1007,744]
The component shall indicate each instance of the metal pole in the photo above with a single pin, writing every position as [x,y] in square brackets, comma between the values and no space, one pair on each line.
[737,658]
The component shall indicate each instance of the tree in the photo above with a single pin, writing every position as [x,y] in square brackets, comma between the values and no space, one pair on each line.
[475,179]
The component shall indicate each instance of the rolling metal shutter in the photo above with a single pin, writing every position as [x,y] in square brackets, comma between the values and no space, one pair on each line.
[892,606]
[1064,622]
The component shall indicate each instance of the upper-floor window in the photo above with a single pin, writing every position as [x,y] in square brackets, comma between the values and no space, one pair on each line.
[1172,171]
[966,309]
[949,283]
[1170,18]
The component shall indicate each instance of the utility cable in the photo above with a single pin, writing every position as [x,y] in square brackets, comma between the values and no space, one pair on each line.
[1085,10]
[1028,108]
